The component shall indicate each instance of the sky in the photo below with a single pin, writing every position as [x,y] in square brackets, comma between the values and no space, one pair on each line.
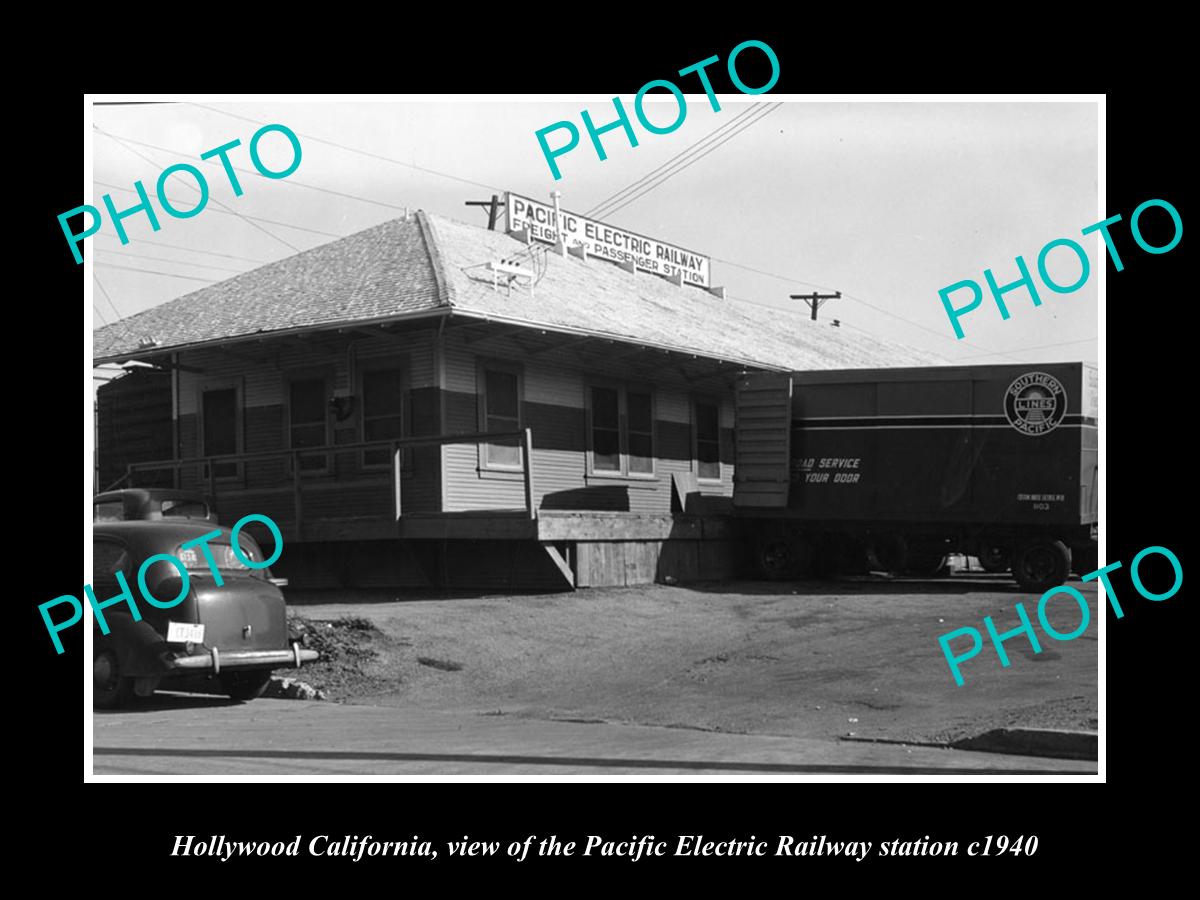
[885,202]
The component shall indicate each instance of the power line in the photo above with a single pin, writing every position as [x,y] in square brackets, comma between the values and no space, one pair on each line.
[348,149]
[867,303]
[638,182]
[640,188]
[153,272]
[729,262]
[159,243]
[120,319]
[225,212]
[214,200]
[669,175]
[107,297]
[292,182]
[166,260]
[1039,347]
[100,313]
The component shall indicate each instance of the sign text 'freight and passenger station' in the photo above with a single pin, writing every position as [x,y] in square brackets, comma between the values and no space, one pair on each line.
[606,242]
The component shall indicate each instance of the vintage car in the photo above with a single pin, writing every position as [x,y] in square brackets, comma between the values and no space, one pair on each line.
[151,503]
[220,637]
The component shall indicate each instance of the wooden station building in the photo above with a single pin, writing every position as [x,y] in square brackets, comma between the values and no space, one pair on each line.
[430,403]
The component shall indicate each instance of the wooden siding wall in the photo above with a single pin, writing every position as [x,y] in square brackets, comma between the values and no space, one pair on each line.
[133,424]
[554,394]
[262,372]
[442,396]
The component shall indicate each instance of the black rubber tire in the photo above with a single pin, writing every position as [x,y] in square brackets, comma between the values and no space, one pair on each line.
[773,558]
[245,685]
[806,558]
[1041,565]
[995,559]
[110,689]
[890,552]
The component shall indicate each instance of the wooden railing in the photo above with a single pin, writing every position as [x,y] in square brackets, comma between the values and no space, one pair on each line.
[523,439]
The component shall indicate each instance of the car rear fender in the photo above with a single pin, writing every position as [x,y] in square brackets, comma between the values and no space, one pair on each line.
[245,613]
[138,646]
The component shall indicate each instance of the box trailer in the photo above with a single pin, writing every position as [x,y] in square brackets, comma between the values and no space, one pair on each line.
[898,468]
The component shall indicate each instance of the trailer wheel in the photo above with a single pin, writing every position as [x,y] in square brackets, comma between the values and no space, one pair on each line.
[995,559]
[1041,565]
[774,558]
[890,552]
[805,559]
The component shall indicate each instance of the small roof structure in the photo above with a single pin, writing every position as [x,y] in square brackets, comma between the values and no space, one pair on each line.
[427,265]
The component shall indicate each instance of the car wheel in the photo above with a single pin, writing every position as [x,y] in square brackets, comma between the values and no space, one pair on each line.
[110,689]
[245,685]
[1041,565]
[995,559]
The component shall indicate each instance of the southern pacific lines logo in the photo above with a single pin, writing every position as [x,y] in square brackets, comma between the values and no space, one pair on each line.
[1035,403]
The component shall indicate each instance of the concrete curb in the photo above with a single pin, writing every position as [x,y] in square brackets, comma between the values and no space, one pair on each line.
[1057,743]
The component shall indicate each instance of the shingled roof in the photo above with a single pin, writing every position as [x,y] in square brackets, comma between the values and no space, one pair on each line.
[429,265]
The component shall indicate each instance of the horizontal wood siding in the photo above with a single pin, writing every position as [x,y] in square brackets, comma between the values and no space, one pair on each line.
[347,491]
[133,424]
[555,409]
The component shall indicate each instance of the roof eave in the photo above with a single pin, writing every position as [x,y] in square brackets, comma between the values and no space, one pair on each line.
[148,352]
[463,312]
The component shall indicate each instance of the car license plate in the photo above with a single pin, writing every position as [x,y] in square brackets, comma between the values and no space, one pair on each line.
[182,632]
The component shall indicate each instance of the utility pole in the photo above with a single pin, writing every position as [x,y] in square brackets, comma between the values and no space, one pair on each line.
[815,301]
[493,208]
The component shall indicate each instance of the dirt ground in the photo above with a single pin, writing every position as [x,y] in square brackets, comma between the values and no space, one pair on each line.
[857,657]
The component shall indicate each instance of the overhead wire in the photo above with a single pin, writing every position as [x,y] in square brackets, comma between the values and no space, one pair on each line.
[357,150]
[1091,340]
[667,176]
[596,210]
[159,243]
[226,212]
[181,262]
[120,319]
[618,201]
[154,272]
[214,200]
[291,182]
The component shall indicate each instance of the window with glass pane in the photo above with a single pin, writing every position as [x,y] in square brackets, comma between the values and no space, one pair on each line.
[606,430]
[108,558]
[111,511]
[708,440]
[640,419]
[219,420]
[502,412]
[307,420]
[382,412]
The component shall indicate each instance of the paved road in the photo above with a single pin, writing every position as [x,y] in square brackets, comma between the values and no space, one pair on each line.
[177,734]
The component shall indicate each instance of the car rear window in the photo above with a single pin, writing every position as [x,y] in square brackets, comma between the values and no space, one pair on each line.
[224,557]
[184,509]
[109,511]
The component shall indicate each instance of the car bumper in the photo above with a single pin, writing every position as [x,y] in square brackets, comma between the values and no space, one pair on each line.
[217,661]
